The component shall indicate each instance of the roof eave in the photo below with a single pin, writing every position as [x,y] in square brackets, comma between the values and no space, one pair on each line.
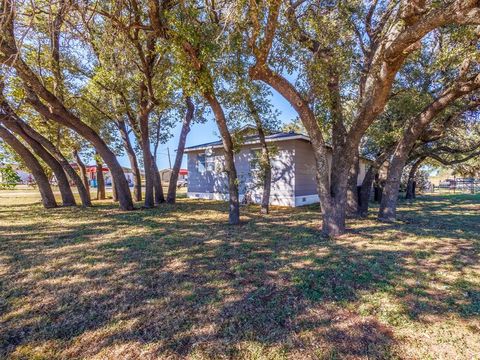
[219,146]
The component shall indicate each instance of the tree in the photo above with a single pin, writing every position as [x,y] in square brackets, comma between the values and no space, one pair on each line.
[194,39]
[65,191]
[43,145]
[132,157]
[48,199]
[56,110]
[9,178]
[381,35]
[463,85]
[135,68]
[172,186]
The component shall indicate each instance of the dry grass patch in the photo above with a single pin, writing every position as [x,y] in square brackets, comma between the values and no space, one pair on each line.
[176,282]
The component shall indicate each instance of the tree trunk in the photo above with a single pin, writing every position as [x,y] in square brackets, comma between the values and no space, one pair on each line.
[265,166]
[234,204]
[267,178]
[82,169]
[43,141]
[172,185]
[365,191]
[63,185]
[69,170]
[159,196]
[368,181]
[114,192]
[334,220]
[331,200]
[147,161]
[48,199]
[352,188]
[100,179]
[132,157]
[414,129]
[410,191]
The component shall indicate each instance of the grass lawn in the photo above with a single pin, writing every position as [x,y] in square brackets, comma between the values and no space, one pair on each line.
[176,282]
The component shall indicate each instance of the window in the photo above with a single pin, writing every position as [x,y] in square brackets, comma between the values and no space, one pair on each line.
[255,157]
[205,163]
[201,165]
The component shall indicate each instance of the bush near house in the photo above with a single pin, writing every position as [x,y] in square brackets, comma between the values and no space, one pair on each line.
[8,177]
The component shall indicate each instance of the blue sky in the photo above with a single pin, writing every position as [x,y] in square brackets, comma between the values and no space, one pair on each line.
[202,133]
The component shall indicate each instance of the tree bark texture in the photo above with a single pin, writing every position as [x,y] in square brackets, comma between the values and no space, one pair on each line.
[100,179]
[83,171]
[234,203]
[132,157]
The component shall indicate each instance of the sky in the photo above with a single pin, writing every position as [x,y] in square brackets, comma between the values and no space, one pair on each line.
[206,132]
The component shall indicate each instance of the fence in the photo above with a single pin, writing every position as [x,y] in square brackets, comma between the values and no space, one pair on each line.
[467,185]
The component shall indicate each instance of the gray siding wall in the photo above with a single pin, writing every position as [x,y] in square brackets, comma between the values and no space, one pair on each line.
[283,173]
[305,182]
[214,180]
[293,172]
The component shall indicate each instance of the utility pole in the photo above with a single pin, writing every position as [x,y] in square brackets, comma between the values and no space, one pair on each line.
[169,160]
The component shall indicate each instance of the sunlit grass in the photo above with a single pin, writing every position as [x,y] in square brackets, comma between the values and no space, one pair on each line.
[176,282]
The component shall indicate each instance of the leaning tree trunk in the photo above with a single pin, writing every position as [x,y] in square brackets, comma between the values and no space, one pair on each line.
[58,113]
[410,193]
[83,171]
[352,187]
[132,157]
[172,185]
[63,185]
[48,199]
[52,149]
[114,191]
[100,179]
[332,199]
[414,129]
[234,203]
[69,170]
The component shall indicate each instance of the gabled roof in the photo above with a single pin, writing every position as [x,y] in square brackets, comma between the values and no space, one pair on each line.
[252,139]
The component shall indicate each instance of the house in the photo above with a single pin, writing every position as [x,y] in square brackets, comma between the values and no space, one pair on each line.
[165,175]
[293,170]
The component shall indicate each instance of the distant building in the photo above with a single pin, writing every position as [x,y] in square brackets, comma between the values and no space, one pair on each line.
[92,174]
[166,174]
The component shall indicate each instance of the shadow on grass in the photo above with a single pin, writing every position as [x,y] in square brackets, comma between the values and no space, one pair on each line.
[177,281]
